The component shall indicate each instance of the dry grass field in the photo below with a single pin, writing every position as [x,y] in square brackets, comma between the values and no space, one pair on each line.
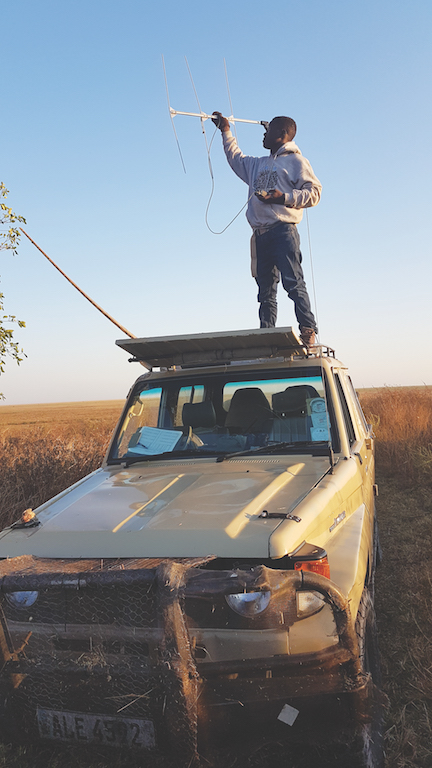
[71,418]
[402,420]
[46,448]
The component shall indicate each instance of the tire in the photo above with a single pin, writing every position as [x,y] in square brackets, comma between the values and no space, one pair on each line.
[377,559]
[367,748]
[378,548]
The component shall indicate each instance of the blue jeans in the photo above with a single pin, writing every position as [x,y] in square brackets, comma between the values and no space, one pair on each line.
[279,257]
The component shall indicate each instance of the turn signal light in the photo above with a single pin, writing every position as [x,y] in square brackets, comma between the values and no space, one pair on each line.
[316,566]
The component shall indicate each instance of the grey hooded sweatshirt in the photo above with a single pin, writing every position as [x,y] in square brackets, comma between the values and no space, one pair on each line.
[287,171]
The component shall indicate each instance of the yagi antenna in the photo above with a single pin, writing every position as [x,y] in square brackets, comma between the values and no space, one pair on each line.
[203,116]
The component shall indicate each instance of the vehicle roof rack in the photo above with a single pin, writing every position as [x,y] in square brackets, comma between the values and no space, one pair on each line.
[202,349]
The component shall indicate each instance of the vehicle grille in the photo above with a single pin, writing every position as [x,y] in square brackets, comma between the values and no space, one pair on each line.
[98,647]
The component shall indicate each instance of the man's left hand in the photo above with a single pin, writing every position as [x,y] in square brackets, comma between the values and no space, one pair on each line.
[273,196]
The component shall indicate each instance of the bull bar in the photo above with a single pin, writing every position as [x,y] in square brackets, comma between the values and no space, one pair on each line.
[335,670]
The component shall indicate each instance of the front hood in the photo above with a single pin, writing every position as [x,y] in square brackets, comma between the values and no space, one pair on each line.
[169,509]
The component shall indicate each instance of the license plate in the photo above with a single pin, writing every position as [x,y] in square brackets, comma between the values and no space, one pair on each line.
[82,728]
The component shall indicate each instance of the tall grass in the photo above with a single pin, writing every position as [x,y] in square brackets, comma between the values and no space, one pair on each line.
[402,422]
[37,464]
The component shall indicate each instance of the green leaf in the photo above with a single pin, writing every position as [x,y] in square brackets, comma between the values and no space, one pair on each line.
[9,240]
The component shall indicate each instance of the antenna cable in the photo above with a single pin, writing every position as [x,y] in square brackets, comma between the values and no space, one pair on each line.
[312,271]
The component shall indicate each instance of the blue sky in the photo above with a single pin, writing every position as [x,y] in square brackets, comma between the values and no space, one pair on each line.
[89,156]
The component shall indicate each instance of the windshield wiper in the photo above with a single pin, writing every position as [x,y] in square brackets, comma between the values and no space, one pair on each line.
[315,448]
[300,446]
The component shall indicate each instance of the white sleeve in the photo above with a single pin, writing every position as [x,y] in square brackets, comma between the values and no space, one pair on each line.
[241,164]
[307,188]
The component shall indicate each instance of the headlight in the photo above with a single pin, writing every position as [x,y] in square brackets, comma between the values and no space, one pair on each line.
[248,604]
[309,603]
[22,600]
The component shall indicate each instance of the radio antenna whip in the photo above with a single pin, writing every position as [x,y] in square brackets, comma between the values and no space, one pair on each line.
[229,96]
[121,327]
[198,102]
[202,123]
[171,115]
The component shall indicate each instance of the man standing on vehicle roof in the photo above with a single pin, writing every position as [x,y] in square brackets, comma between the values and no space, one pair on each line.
[280,186]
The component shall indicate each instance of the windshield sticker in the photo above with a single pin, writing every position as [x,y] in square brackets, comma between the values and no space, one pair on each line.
[319,417]
[152,441]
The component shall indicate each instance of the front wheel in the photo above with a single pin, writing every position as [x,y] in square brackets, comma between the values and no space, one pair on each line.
[367,749]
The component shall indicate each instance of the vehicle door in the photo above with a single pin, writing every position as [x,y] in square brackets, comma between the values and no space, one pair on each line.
[360,439]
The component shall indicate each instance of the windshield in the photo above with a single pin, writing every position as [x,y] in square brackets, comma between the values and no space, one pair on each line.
[223,414]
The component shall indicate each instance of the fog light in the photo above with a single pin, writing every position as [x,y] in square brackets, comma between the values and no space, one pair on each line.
[22,600]
[309,603]
[248,604]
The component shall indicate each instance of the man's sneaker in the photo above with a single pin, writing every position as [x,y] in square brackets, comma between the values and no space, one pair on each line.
[307,336]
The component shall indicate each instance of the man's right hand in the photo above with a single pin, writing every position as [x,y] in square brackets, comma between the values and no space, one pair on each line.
[221,122]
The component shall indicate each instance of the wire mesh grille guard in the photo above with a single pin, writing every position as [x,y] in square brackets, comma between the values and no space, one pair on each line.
[103,656]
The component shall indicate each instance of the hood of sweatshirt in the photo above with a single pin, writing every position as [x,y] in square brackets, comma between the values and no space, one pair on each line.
[288,149]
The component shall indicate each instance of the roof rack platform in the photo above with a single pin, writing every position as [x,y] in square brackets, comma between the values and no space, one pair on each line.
[210,348]
[218,348]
